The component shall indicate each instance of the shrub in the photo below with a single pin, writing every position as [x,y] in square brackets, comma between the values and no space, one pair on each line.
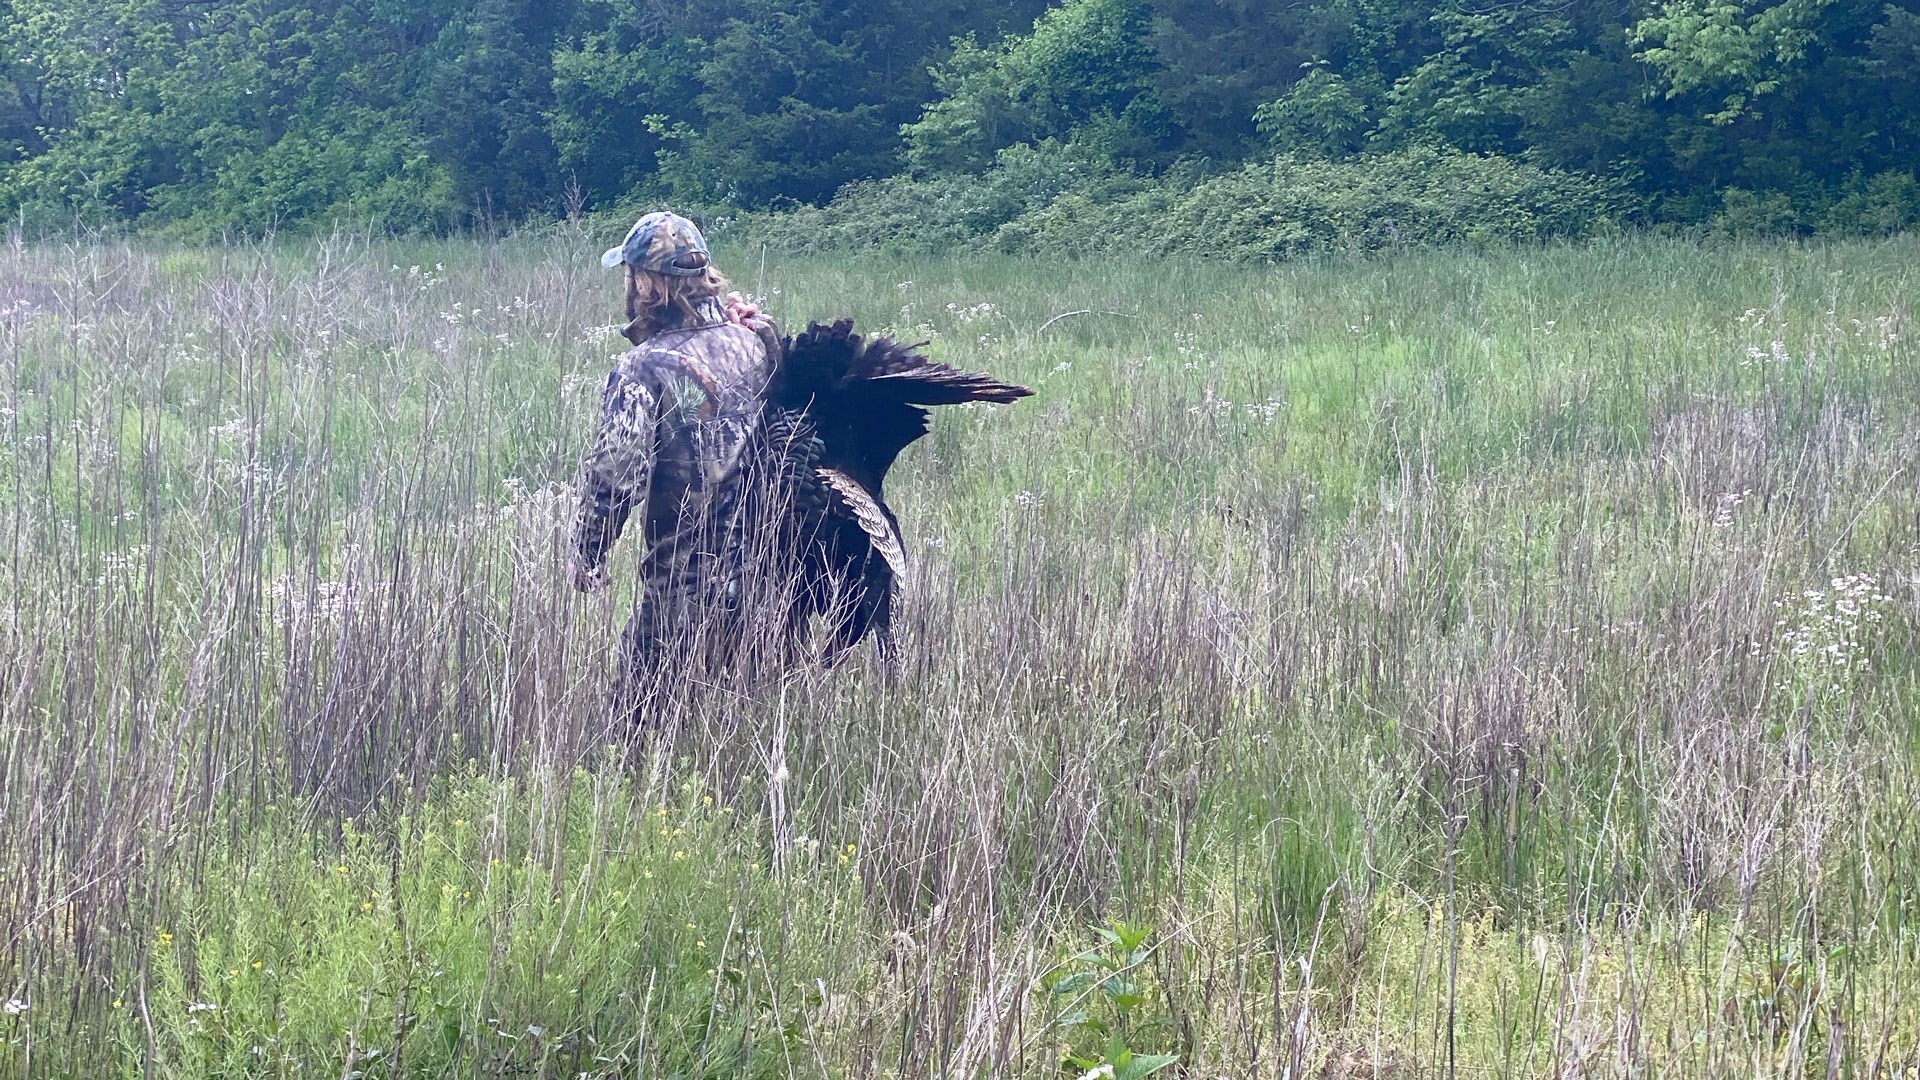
[356,166]
[943,212]
[1080,223]
[1882,206]
[1056,199]
[1295,206]
[1753,213]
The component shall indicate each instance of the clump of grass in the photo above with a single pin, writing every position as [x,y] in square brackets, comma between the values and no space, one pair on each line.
[1496,661]
[465,935]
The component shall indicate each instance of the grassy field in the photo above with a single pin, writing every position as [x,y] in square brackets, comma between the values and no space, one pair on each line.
[1497,664]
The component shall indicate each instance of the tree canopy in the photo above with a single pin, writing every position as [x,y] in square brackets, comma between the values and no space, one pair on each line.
[202,115]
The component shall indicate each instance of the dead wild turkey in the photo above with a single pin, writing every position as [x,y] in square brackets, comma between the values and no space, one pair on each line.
[839,410]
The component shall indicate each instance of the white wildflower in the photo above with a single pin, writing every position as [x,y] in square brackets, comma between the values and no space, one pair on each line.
[232,430]
[1823,633]
[974,313]
[1726,504]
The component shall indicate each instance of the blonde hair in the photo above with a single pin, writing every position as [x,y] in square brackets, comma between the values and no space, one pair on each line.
[651,294]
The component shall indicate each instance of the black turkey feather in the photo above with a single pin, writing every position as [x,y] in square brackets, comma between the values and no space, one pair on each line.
[840,408]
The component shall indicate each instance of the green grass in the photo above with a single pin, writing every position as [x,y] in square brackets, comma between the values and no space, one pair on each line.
[1424,649]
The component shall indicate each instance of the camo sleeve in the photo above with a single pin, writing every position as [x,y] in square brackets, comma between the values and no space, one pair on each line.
[615,471]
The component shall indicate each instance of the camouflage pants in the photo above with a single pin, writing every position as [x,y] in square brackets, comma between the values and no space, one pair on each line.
[714,607]
[682,636]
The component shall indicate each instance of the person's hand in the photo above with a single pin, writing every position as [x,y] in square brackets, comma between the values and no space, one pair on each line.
[741,310]
[746,313]
[587,579]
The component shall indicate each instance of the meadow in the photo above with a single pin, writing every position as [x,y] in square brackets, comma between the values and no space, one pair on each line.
[1500,663]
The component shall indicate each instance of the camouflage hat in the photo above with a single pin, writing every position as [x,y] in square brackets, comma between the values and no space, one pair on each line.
[663,243]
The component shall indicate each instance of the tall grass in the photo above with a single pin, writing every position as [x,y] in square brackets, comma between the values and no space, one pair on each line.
[1499,662]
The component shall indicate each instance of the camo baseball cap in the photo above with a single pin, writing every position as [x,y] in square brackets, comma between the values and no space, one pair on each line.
[663,243]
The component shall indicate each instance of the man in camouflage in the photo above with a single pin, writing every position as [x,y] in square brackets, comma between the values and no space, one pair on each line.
[678,416]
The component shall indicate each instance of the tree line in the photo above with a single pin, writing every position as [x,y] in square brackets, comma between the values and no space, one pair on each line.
[208,115]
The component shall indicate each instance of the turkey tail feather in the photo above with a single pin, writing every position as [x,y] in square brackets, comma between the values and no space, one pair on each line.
[825,361]
[938,384]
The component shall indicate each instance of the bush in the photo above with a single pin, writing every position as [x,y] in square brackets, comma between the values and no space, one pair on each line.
[1295,206]
[1079,223]
[1882,206]
[943,212]
[1744,214]
[1057,199]
[355,166]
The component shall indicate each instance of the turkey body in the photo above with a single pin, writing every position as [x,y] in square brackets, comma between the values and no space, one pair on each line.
[839,410]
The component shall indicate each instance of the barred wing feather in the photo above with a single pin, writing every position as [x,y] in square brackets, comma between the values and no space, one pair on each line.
[872,518]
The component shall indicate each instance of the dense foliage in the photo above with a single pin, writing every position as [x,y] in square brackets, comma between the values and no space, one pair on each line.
[1757,115]
[1054,200]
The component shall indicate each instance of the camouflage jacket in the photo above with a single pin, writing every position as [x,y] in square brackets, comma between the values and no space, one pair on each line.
[677,415]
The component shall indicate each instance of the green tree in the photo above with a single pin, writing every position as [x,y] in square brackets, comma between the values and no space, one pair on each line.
[1792,98]
[979,110]
[1218,61]
[259,114]
[1320,114]
[1474,90]
[787,107]
[626,72]
[1739,51]
[1085,74]
[249,114]
[483,101]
